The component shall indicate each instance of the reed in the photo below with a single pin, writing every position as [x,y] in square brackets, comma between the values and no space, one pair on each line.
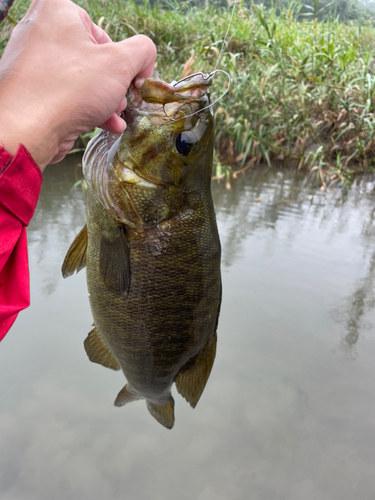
[301,92]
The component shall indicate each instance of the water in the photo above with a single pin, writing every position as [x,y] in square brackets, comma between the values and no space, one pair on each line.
[288,412]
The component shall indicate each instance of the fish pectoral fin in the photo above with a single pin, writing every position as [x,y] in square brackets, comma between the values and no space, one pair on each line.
[75,259]
[192,377]
[125,396]
[164,414]
[114,261]
[98,351]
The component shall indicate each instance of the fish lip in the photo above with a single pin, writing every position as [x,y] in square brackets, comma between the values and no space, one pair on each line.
[190,88]
[166,114]
[184,98]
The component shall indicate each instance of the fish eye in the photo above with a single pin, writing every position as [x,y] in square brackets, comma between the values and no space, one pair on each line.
[184,143]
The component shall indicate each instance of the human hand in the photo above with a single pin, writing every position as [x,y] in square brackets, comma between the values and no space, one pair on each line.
[61,76]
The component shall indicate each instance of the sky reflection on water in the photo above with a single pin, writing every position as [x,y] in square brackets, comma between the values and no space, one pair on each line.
[288,411]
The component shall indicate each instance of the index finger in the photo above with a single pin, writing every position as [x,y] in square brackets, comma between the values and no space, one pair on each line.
[98,34]
[137,56]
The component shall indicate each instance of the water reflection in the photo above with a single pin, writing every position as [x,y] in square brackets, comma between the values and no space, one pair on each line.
[286,413]
[266,197]
[59,216]
[351,315]
[362,298]
[259,203]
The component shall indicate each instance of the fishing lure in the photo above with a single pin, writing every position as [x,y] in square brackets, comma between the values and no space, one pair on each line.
[206,77]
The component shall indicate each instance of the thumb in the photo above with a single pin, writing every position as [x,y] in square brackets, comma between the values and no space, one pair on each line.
[135,57]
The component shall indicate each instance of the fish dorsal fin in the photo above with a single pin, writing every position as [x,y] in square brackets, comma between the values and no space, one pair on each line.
[98,351]
[75,259]
[125,396]
[192,377]
[164,414]
[114,260]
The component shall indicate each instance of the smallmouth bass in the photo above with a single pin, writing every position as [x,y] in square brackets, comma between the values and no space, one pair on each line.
[151,246]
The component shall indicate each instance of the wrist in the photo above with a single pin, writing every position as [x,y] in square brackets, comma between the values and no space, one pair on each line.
[26,127]
[11,139]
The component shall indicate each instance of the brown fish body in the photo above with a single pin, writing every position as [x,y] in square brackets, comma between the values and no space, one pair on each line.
[152,252]
[170,312]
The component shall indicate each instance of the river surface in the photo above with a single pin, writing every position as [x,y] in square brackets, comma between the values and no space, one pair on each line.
[289,410]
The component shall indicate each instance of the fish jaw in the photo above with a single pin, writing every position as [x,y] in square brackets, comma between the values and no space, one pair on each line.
[141,177]
[154,90]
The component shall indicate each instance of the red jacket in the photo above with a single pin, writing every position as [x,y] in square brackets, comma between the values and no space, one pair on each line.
[20,184]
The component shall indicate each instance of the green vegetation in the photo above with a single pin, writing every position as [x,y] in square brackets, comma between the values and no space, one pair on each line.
[302,91]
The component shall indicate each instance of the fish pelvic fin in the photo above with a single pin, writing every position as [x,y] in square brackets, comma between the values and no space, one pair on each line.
[98,351]
[125,396]
[75,259]
[192,377]
[164,414]
[115,261]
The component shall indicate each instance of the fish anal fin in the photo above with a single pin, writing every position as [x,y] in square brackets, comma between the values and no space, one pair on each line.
[164,414]
[125,396]
[98,351]
[192,377]
[75,259]
[114,260]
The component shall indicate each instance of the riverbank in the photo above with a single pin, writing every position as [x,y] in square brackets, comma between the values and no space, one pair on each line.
[300,92]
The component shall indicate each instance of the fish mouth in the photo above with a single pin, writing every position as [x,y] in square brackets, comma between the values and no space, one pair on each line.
[129,176]
[192,87]
[166,103]
[157,103]
[113,165]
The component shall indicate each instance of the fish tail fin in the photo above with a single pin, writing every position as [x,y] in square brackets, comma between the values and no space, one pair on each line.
[125,396]
[164,414]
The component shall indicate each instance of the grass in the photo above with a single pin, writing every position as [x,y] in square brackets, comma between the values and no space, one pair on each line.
[301,93]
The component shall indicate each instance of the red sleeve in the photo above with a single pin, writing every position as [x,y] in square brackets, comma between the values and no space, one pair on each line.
[20,184]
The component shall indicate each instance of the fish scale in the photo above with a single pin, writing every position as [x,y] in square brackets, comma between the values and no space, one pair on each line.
[152,250]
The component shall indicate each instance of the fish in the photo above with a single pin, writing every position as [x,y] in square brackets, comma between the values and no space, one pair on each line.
[151,246]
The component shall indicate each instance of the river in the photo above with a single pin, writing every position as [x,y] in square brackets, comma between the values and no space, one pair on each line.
[288,412]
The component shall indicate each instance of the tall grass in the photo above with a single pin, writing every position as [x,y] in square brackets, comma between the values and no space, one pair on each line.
[300,93]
